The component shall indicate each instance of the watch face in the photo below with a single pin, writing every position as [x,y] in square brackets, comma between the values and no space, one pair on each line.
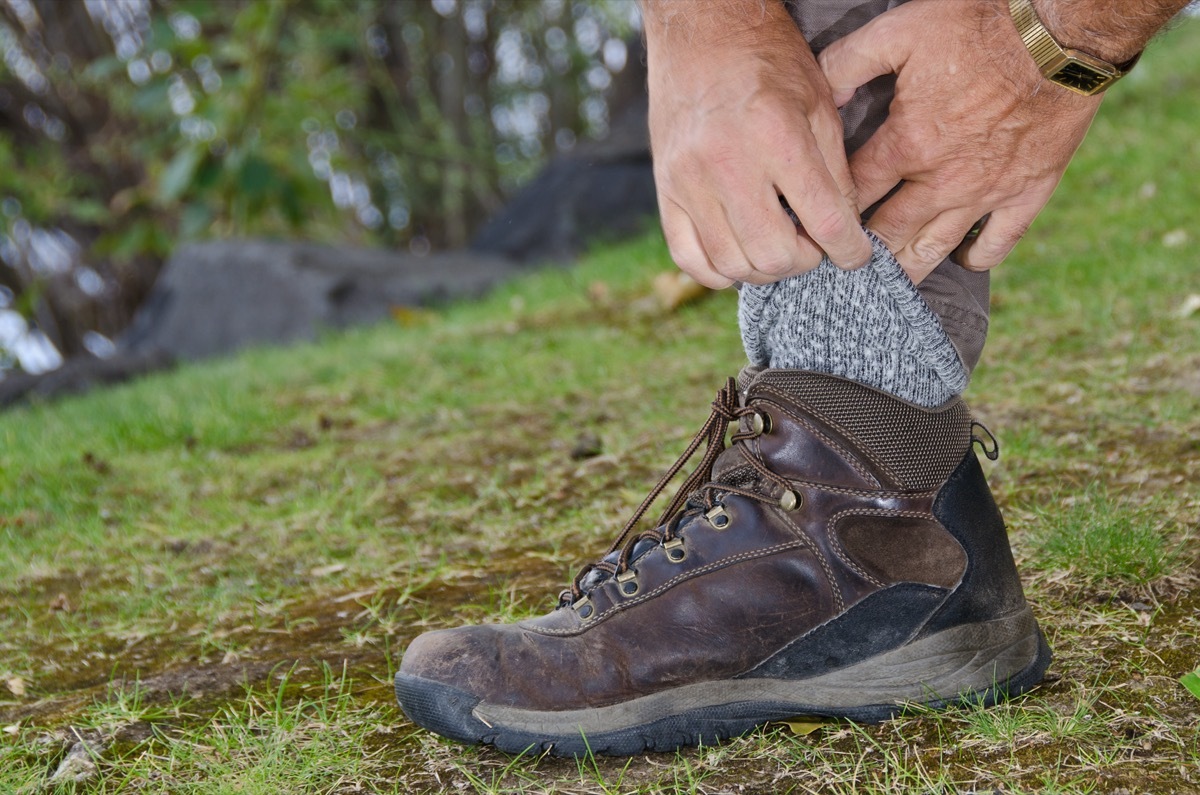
[1082,77]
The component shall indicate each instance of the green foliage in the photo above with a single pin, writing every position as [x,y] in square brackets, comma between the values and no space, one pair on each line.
[364,122]
[1191,681]
[1097,537]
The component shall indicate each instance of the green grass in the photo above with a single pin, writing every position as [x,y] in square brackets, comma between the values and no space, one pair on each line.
[1097,538]
[207,577]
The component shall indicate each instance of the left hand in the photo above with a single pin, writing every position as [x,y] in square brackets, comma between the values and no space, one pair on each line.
[973,130]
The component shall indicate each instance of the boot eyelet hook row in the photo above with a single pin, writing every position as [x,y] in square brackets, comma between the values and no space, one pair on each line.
[627,582]
[676,552]
[584,608]
[760,423]
[790,500]
[717,517]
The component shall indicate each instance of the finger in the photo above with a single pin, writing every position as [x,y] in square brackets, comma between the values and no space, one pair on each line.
[827,216]
[880,164]
[898,220]
[934,242]
[857,59]
[1001,232]
[829,134]
[683,241]
[769,239]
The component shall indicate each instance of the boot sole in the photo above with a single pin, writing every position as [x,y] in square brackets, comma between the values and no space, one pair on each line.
[981,663]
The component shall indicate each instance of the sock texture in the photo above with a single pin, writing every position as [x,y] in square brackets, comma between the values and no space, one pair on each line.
[870,325]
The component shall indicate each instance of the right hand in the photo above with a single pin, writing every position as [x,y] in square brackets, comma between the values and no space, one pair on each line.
[741,114]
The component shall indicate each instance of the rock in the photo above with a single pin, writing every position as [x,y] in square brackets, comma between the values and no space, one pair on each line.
[76,767]
[78,375]
[214,298]
[601,190]
[587,445]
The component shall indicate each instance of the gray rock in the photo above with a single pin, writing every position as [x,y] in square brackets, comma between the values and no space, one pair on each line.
[603,190]
[78,375]
[214,298]
[77,766]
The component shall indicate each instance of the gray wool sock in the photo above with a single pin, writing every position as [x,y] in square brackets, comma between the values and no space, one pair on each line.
[870,325]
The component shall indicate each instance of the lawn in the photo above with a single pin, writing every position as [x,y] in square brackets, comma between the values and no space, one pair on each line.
[207,577]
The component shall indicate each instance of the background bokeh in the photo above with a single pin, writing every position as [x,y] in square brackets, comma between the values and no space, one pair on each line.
[128,127]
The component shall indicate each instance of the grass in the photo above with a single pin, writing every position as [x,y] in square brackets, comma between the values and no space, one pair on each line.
[207,577]
[1096,538]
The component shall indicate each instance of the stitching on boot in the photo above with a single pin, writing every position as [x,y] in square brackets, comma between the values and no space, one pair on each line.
[671,583]
[838,601]
[847,454]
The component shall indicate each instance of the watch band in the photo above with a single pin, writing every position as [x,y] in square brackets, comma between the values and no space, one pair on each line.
[1078,71]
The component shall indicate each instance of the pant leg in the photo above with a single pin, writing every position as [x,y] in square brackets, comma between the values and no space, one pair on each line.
[958,296]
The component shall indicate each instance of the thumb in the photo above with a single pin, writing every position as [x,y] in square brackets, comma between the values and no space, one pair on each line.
[855,60]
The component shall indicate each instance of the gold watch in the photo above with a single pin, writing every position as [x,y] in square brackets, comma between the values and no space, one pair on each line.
[1082,73]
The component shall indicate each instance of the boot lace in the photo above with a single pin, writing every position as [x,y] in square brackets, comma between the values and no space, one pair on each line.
[697,493]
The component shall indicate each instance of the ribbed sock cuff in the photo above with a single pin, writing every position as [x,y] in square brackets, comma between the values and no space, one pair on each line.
[870,325]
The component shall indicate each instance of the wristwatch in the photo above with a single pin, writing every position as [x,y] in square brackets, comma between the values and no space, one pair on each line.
[1082,73]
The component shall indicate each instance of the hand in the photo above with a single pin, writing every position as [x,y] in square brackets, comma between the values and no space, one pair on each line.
[974,130]
[740,115]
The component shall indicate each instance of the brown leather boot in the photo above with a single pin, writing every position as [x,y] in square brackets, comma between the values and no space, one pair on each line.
[843,557]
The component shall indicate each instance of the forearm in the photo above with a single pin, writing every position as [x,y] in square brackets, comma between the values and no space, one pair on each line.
[1115,30]
[695,24]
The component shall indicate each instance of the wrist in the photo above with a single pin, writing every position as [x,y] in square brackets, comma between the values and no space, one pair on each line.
[702,30]
[1101,29]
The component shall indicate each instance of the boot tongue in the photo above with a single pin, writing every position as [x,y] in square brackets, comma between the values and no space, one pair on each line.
[726,462]
[597,576]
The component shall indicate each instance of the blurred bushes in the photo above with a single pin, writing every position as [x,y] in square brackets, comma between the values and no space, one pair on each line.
[127,127]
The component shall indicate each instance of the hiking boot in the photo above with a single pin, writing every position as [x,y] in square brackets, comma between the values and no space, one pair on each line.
[842,557]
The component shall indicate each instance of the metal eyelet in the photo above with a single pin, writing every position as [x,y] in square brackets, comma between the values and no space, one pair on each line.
[627,582]
[676,552]
[790,500]
[717,517]
[584,608]
[760,423]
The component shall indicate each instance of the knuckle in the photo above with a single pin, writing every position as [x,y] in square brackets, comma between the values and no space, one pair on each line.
[931,250]
[828,225]
[773,262]
[688,260]
[994,248]
[711,279]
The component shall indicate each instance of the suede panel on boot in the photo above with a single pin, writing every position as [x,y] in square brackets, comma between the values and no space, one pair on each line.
[901,549]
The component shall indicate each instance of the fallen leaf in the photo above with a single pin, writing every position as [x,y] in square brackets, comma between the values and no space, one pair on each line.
[14,728]
[60,604]
[1190,305]
[411,316]
[325,571]
[800,728]
[1191,682]
[676,288]
[16,686]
